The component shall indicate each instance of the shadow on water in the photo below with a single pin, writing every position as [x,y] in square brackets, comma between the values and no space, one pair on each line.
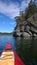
[27,50]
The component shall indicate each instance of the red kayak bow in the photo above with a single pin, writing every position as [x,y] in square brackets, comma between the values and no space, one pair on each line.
[16,59]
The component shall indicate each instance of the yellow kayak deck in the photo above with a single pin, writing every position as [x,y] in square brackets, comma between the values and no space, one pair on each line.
[7,58]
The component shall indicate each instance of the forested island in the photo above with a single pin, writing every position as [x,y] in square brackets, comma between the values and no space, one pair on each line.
[27,21]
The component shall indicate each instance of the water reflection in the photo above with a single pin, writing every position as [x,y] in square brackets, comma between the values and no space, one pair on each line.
[27,50]
[25,47]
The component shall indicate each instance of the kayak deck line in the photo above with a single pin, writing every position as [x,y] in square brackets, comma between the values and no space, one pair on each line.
[9,57]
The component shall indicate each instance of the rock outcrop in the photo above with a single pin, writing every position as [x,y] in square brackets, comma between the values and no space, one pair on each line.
[27,28]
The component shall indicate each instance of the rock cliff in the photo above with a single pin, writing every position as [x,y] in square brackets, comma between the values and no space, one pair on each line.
[27,28]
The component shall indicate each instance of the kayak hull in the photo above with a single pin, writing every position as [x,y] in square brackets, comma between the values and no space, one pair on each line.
[10,57]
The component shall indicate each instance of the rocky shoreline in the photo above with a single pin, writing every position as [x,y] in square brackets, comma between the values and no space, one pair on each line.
[26,28]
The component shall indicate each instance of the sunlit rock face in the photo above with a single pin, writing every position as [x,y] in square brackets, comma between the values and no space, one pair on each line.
[27,28]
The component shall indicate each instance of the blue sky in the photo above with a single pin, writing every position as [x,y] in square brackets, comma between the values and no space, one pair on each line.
[9,9]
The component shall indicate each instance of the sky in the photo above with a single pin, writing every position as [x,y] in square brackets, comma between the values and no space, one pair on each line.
[9,9]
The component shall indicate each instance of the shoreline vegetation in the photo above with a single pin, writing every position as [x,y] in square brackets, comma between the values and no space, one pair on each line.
[6,33]
[27,21]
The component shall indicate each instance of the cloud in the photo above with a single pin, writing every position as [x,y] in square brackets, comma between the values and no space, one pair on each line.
[24,4]
[12,9]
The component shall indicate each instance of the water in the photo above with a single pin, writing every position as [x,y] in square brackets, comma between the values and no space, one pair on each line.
[25,47]
[4,40]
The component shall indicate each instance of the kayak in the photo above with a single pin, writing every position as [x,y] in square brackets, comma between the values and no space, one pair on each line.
[10,57]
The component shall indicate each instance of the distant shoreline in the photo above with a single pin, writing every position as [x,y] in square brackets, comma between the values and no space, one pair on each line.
[6,33]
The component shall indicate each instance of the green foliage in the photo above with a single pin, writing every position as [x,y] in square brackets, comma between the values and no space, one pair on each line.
[31,9]
[28,12]
[20,18]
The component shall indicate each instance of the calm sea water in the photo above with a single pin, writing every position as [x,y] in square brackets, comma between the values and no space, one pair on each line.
[25,47]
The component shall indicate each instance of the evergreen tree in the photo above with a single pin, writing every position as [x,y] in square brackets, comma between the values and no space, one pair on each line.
[31,9]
